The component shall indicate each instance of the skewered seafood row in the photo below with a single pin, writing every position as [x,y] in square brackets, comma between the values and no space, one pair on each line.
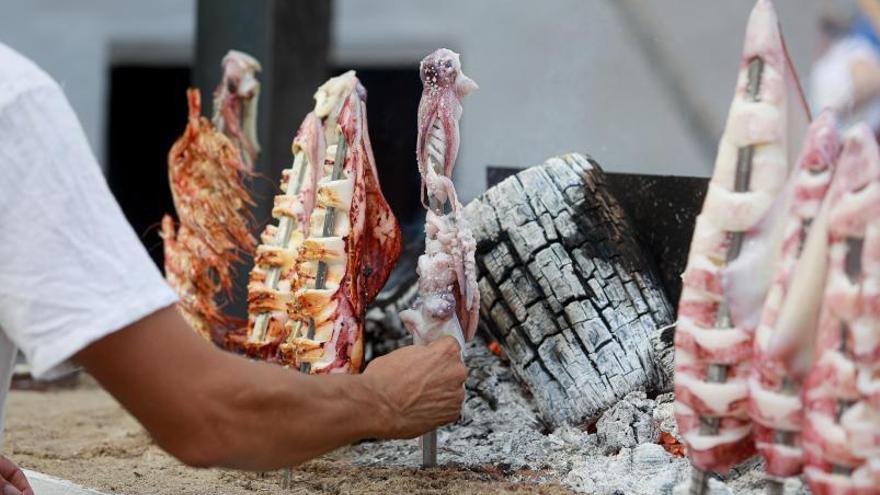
[448,299]
[841,434]
[189,264]
[334,246]
[206,175]
[737,228]
[235,104]
[776,379]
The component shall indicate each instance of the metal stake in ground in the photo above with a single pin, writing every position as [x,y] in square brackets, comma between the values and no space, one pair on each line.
[321,275]
[428,441]
[718,372]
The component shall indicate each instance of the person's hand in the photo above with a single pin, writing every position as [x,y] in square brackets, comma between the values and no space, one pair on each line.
[12,479]
[418,388]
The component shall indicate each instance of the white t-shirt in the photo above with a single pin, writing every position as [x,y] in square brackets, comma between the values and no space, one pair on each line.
[72,270]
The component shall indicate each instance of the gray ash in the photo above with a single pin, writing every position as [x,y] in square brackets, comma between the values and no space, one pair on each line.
[500,430]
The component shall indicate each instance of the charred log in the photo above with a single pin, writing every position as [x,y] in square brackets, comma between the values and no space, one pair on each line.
[567,291]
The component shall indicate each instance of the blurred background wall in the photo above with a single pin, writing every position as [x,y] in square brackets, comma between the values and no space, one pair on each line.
[78,43]
[642,85]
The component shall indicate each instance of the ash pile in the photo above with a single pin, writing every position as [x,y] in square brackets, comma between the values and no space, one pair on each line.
[631,449]
[570,375]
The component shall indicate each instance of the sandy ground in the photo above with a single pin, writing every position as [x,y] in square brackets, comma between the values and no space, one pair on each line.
[83,435]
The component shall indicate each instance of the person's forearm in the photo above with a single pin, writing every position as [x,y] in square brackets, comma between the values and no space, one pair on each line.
[307,415]
[211,408]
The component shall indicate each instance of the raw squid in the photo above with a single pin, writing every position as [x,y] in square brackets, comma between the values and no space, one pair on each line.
[235,104]
[207,177]
[737,228]
[448,299]
[775,385]
[334,246]
[841,431]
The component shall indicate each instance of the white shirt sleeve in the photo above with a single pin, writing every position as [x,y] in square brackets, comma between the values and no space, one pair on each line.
[72,270]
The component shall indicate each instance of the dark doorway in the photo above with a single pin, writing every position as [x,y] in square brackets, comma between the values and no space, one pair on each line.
[147,113]
[393,95]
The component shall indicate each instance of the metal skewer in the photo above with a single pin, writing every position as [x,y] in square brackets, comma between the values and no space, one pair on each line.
[321,274]
[717,373]
[282,238]
[853,268]
[428,441]
[329,220]
[776,485]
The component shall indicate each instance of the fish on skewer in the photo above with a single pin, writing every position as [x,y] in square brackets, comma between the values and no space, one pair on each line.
[737,235]
[841,430]
[235,104]
[333,248]
[775,382]
[207,176]
[448,298]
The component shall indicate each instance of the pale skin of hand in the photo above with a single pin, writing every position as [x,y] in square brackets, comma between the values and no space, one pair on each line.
[210,408]
[12,479]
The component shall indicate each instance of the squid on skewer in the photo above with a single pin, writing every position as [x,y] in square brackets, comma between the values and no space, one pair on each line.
[448,299]
[736,239]
[841,432]
[777,375]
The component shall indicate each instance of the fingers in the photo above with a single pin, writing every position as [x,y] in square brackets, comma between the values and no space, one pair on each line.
[6,488]
[449,348]
[13,480]
[447,345]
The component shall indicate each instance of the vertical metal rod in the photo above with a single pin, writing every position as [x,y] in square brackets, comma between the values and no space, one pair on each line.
[329,214]
[717,373]
[699,482]
[282,237]
[774,486]
[321,275]
[428,443]
[853,268]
